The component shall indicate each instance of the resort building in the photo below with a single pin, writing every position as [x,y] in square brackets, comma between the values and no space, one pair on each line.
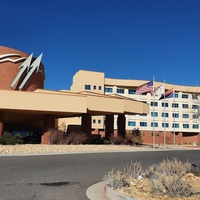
[26,108]
[170,120]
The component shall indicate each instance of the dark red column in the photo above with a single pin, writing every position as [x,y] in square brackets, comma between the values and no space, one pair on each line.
[109,129]
[1,123]
[86,122]
[121,123]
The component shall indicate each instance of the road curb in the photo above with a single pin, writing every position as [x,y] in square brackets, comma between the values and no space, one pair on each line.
[99,191]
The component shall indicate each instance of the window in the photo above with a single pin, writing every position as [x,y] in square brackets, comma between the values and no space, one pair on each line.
[185,115]
[131,91]
[99,121]
[143,114]
[175,115]
[94,87]
[154,114]
[155,124]
[195,106]
[120,91]
[164,104]
[165,114]
[165,125]
[154,103]
[87,87]
[176,95]
[94,121]
[195,126]
[131,123]
[185,106]
[184,96]
[185,125]
[175,125]
[143,124]
[99,87]
[110,90]
[174,105]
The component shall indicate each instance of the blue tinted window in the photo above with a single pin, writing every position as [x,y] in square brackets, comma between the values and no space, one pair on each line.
[175,125]
[185,116]
[175,105]
[195,126]
[120,91]
[176,95]
[175,115]
[195,106]
[155,124]
[131,123]
[143,123]
[109,90]
[87,87]
[131,91]
[165,114]
[185,125]
[165,125]
[155,114]
[185,96]
[154,103]
[164,104]
[185,106]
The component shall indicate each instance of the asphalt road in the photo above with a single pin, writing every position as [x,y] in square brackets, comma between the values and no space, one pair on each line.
[67,177]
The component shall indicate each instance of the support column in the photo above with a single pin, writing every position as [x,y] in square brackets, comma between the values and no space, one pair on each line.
[86,122]
[109,126]
[1,124]
[48,123]
[121,125]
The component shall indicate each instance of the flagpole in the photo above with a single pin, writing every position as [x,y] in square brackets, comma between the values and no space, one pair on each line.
[153,115]
[174,119]
[164,120]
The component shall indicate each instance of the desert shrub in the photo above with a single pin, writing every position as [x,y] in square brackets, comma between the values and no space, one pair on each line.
[9,139]
[56,136]
[117,140]
[134,170]
[166,178]
[76,138]
[115,179]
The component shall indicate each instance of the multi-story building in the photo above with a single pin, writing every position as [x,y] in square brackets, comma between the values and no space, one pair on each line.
[170,120]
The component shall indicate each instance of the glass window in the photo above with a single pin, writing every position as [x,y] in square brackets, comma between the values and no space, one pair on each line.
[175,115]
[195,106]
[94,87]
[143,114]
[109,90]
[176,95]
[185,106]
[165,114]
[131,91]
[143,124]
[99,121]
[185,125]
[164,104]
[94,121]
[87,87]
[154,114]
[155,124]
[131,123]
[165,125]
[185,115]
[184,96]
[154,103]
[175,125]
[174,105]
[195,126]
[99,87]
[120,91]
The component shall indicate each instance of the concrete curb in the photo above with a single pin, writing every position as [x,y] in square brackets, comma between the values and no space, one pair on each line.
[99,191]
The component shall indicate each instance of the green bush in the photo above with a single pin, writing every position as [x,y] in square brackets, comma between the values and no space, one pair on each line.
[9,139]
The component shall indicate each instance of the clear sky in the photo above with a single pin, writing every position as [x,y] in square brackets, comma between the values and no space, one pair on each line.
[126,39]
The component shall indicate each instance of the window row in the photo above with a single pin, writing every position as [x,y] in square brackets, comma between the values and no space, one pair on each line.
[174,115]
[88,87]
[155,124]
[174,105]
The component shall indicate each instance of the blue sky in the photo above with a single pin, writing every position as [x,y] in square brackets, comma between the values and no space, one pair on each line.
[126,39]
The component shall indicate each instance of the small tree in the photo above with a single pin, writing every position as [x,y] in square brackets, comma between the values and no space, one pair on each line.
[137,134]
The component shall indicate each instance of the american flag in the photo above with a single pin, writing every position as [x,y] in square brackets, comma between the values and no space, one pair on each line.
[147,87]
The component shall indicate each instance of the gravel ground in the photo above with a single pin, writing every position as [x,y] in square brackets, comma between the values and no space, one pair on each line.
[41,148]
